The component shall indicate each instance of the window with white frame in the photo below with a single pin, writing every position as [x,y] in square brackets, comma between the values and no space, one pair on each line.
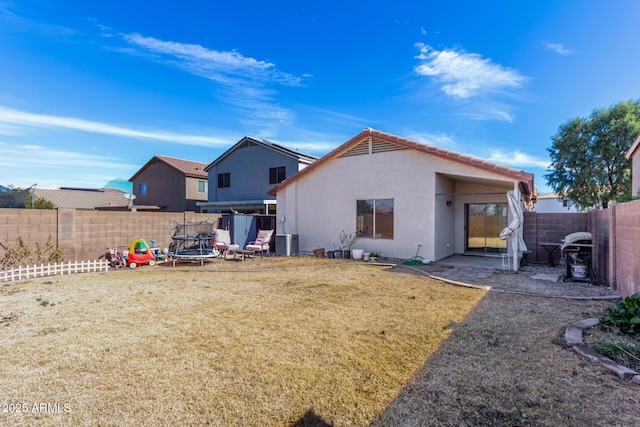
[374,218]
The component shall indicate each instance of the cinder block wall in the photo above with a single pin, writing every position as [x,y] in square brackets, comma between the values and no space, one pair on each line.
[550,227]
[603,244]
[32,225]
[626,262]
[86,235]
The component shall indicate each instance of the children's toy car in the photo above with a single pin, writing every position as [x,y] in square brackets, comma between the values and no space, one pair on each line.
[140,253]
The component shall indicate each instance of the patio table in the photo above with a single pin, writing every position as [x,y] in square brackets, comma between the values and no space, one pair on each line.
[551,248]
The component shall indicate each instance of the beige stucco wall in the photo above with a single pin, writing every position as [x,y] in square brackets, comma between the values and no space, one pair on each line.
[321,204]
[635,179]
[192,189]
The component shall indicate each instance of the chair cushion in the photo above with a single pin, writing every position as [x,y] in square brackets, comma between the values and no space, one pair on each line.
[264,237]
[223,236]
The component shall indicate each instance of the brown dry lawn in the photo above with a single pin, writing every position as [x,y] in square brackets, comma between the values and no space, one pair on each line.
[294,342]
[192,345]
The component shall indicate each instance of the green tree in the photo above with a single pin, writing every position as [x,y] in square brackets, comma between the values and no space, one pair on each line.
[39,202]
[588,164]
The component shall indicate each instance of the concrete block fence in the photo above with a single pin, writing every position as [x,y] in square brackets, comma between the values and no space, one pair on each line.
[616,241]
[86,235]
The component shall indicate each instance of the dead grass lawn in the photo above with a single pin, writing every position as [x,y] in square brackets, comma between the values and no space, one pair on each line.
[210,346]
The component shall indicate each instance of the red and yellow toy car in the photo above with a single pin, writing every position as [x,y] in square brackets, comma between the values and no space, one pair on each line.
[140,253]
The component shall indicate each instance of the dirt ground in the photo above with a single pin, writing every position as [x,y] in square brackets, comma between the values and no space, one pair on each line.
[503,363]
[507,364]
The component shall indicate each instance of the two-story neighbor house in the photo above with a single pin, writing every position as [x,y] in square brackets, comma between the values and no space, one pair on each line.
[241,176]
[174,185]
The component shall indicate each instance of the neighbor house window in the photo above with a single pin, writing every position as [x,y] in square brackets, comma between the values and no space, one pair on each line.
[224,180]
[276,175]
[142,188]
[374,218]
[202,186]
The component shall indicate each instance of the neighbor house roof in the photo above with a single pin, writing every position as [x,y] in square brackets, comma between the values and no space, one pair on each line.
[301,157]
[517,175]
[187,167]
[83,198]
[551,195]
[633,148]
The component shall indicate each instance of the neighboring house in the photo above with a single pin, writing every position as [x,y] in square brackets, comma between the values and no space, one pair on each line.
[634,155]
[242,175]
[173,185]
[400,196]
[83,198]
[553,203]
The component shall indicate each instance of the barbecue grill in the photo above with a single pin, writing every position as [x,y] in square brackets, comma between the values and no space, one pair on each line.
[576,251]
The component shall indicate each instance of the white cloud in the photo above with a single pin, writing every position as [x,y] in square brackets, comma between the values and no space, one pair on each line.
[518,159]
[490,113]
[558,48]
[245,82]
[201,58]
[51,168]
[16,117]
[465,75]
[435,139]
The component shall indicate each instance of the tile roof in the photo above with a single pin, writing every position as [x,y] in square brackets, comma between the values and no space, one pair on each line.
[514,174]
[83,198]
[187,167]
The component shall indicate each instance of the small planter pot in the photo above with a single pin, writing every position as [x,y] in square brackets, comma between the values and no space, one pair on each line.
[318,253]
[346,254]
[330,254]
[337,254]
[365,256]
[357,253]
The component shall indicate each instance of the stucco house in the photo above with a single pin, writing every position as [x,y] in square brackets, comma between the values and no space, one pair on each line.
[398,195]
[173,185]
[634,156]
[242,175]
[554,203]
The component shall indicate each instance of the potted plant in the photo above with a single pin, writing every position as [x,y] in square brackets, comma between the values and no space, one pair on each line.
[373,256]
[337,253]
[319,252]
[346,243]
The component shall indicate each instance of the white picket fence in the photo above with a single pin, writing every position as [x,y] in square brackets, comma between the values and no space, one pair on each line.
[32,271]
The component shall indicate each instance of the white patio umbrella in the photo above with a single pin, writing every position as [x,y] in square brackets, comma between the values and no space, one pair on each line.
[514,230]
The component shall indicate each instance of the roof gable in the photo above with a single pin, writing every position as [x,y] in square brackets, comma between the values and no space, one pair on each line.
[187,167]
[633,148]
[248,140]
[381,141]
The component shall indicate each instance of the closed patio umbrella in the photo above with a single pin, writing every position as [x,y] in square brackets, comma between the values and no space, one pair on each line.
[514,230]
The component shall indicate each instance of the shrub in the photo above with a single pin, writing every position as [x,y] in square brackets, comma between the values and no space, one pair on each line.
[623,317]
[20,254]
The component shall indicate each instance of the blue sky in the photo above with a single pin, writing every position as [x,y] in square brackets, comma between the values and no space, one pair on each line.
[90,91]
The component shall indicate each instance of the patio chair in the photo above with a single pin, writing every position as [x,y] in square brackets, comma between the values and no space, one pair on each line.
[261,243]
[223,242]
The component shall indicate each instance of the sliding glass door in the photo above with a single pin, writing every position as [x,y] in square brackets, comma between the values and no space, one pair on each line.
[484,222]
